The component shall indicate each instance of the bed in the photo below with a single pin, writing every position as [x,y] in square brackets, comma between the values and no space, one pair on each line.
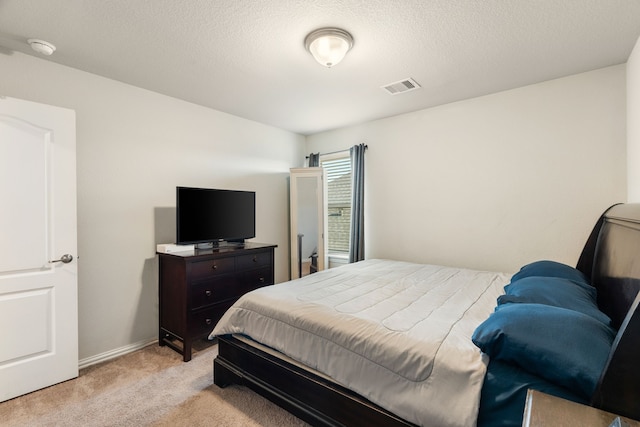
[385,342]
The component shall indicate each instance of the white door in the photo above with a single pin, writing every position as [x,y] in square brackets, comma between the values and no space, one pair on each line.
[38,296]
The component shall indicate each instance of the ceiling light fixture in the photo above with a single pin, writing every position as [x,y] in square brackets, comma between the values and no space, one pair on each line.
[328,45]
[41,46]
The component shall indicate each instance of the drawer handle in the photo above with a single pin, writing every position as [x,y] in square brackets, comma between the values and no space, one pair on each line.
[207,321]
[214,267]
[208,293]
[255,259]
[261,280]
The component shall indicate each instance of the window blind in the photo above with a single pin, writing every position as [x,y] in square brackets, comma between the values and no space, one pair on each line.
[337,168]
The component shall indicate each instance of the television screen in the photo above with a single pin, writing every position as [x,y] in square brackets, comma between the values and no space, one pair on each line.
[209,215]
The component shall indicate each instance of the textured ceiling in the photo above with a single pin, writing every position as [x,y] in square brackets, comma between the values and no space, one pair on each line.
[247,58]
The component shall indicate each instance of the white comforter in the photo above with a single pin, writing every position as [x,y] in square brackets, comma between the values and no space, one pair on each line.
[397,333]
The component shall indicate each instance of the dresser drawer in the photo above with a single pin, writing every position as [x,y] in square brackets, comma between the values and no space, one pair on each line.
[255,260]
[202,322]
[212,267]
[213,290]
[256,278]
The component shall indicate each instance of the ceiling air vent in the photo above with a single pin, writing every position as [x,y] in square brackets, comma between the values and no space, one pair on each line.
[402,86]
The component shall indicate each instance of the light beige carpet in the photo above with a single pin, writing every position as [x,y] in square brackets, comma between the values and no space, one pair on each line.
[149,387]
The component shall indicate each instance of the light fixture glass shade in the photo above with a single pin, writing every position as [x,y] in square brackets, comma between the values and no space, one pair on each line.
[328,45]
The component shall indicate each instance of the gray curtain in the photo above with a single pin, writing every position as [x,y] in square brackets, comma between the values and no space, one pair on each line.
[314,160]
[356,240]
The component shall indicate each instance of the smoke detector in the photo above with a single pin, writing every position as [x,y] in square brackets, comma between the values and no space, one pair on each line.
[402,86]
[41,46]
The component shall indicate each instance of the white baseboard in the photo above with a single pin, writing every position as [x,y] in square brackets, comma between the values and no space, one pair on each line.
[112,354]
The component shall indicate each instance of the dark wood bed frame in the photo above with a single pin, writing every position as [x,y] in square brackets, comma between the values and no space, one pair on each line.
[610,258]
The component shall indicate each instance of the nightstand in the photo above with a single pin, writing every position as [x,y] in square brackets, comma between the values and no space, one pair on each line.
[542,410]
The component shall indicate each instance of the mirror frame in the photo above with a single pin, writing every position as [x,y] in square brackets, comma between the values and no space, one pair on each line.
[318,174]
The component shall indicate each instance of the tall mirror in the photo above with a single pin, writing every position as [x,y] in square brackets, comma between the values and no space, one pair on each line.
[308,248]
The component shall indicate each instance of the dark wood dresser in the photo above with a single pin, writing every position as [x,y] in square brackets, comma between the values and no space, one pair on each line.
[197,287]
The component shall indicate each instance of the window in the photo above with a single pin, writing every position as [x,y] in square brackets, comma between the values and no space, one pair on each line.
[338,172]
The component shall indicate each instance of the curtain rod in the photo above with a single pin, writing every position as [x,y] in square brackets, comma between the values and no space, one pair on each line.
[336,152]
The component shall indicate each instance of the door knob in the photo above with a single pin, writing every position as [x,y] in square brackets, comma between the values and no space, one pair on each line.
[66,258]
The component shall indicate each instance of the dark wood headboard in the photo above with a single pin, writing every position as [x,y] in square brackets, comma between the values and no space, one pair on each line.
[614,249]
[616,261]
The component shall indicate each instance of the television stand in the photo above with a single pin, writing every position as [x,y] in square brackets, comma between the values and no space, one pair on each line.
[207,245]
[220,244]
[196,288]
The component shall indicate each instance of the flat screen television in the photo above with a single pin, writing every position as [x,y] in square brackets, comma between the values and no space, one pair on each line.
[207,215]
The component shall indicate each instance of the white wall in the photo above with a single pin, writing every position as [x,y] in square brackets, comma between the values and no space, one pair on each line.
[496,181]
[490,182]
[633,125]
[133,148]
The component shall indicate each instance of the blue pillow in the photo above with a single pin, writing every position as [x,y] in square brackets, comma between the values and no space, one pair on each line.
[564,347]
[556,292]
[551,269]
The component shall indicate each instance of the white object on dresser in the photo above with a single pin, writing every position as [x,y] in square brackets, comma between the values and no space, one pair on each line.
[169,248]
